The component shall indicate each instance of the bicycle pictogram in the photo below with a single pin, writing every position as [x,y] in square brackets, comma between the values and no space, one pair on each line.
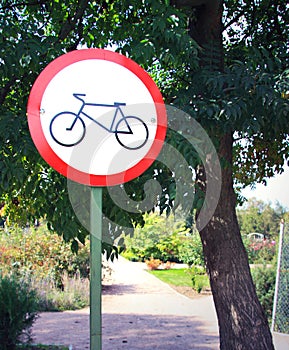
[69,129]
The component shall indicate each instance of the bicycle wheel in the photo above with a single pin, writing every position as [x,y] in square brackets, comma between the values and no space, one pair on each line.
[131,132]
[67,129]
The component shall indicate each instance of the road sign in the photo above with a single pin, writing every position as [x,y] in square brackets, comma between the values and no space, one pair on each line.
[97,117]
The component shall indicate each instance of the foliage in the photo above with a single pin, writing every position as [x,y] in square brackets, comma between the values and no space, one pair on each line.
[236,87]
[160,238]
[166,239]
[75,294]
[247,97]
[32,35]
[264,279]
[258,23]
[153,264]
[258,216]
[59,276]
[260,252]
[200,279]
[39,252]
[18,305]
[191,250]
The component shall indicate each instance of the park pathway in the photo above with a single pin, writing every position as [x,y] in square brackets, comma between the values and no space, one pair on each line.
[138,312]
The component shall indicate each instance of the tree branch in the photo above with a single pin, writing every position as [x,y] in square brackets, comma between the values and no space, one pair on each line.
[189,3]
[233,20]
[69,25]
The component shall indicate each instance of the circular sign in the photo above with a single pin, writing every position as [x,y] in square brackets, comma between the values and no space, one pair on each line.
[97,117]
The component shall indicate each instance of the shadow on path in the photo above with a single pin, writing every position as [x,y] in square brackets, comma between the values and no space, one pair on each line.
[138,312]
[156,332]
[121,331]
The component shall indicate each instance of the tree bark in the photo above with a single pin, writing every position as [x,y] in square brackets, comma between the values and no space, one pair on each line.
[242,322]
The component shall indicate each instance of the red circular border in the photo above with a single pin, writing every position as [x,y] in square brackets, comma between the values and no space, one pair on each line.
[34,122]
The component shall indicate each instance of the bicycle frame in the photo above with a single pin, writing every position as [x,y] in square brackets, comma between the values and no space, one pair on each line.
[117,110]
[121,125]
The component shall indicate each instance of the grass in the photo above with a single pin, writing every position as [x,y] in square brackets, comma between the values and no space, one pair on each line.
[176,277]
[194,278]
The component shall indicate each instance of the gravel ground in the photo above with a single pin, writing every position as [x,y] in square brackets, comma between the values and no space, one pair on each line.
[138,312]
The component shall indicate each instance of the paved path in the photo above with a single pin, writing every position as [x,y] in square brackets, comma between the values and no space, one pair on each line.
[138,312]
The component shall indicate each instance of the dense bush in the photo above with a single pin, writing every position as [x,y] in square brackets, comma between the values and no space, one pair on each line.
[59,276]
[260,252]
[168,239]
[259,216]
[191,250]
[42,252]
[200,279]
[146,241]
[264,279]
[163,238]
[18,305]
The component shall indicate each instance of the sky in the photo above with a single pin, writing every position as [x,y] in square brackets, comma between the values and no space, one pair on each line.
[277,189]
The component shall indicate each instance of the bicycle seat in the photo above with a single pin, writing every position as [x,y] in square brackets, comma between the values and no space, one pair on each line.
[78,96]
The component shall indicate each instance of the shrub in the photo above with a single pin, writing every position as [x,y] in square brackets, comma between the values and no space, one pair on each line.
[260,251]
[200,279]
[200,283]
[75,294]
[191,250]
[160,238]
[43,253]
[153,264]
[130,255]
[264,280]
[18,305]
[59,276]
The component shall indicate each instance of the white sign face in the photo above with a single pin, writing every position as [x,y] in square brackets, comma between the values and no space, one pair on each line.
[86,107]
[100,114]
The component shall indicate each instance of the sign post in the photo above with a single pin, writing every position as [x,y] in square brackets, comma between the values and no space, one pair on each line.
[99,119]
[95,267]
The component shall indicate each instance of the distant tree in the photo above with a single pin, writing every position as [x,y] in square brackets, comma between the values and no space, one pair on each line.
[258,216]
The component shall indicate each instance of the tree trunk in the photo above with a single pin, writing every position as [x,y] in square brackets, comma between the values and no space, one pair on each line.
[242,321]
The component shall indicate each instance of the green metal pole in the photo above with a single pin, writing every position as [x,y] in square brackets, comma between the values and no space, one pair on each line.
[95,267]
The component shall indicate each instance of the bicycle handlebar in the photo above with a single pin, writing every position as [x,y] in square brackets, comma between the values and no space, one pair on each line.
[116,104]
[76,95]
